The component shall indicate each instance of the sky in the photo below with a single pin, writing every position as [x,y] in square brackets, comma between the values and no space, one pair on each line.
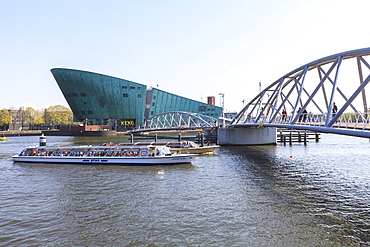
[193,48]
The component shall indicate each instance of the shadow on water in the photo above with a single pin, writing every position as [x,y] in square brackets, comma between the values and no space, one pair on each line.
[335,200]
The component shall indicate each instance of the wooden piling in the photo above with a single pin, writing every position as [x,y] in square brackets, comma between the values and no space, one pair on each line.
[305,138]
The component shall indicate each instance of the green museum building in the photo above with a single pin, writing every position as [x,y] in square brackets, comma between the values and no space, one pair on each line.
[122,104]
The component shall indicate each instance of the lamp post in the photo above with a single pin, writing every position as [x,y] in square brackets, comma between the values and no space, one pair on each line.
[222,103]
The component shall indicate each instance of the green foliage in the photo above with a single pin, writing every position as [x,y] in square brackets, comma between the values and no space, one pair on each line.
[58,114]
[34,117]
[5,117]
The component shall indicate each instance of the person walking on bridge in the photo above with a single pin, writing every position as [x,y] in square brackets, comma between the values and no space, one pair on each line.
[284,115]
[335,109]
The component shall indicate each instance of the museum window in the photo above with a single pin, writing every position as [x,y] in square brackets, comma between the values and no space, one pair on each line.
[124,87]
[125,95]
[132,87]
[85,103]
[83,112]
[83,94]
[89,112]
[154,97]
[153,104]
[74,94]
[139,95]
[202,108]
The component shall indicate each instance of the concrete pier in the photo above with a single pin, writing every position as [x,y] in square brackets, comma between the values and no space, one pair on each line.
[246,136]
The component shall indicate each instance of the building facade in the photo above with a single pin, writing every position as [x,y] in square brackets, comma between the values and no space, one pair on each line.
[159,101]
[101,99]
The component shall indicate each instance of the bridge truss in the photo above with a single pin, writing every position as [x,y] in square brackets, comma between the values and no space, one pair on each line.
[326,95]
[178,120]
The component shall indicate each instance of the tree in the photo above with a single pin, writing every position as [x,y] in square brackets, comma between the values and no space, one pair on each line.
[34,117]
[5,118]
[58,114]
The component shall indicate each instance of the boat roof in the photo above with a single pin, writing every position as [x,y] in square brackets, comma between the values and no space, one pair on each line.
[155,143]
[91,147]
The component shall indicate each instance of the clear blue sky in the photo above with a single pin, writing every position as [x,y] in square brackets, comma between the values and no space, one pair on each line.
[194,48]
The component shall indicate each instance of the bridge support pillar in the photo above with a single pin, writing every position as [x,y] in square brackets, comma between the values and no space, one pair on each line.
[246,136]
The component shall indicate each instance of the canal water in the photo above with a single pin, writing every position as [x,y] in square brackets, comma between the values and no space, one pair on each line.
[314,195]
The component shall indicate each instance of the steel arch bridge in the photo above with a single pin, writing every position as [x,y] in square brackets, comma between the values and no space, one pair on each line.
[177,120]
[327,95]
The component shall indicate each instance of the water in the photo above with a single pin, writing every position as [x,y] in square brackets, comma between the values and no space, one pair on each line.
[315,195]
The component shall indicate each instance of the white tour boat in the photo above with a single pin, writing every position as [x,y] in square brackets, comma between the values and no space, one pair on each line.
[115,155]
[177,146]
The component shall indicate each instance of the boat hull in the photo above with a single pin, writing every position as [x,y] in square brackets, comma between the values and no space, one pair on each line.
[155,160]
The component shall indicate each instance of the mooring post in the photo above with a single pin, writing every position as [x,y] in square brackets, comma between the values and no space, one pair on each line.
[281,136]
[299,137]
[305,138]
[155,138]
[179,137]
[290,139]
[317,137]
[132,138]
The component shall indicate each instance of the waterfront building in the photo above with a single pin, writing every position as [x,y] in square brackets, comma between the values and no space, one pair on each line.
[101,99]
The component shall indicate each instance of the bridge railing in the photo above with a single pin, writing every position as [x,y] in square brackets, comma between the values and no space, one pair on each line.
[346,120]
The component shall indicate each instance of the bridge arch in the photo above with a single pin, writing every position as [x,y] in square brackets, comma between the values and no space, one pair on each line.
[178,120]
[328,95]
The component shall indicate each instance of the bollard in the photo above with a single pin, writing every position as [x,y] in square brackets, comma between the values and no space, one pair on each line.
[317,137]
[132,138]
[42,140]
[290,139]
[299,137]
[179,137]
[155,138]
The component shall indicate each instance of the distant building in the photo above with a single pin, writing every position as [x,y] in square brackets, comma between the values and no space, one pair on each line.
[101,99]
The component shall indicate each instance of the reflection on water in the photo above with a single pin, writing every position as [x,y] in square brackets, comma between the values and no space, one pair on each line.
[315,195]
[330,181]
